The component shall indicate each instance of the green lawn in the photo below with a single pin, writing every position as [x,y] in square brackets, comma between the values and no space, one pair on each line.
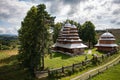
[65,60]
[112,73]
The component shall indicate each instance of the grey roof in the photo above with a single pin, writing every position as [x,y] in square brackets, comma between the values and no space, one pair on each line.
[69,37]
[107,34]
[70,46]
[70,34]
[107,39]
[69,40]
[73,31]
[67,24]
[73,26]
[107,45]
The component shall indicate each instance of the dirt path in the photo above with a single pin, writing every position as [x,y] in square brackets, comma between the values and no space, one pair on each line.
[86,73]
[89,51]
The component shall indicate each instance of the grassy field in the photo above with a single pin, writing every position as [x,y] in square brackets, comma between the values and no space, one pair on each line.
[65,60]
[62,60]
[112,73]
[90,68]
[10,70]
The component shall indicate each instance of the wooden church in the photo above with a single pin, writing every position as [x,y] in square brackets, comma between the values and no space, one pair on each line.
[106,42]
[68,41]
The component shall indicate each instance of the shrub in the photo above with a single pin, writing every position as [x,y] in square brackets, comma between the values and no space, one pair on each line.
[4,47]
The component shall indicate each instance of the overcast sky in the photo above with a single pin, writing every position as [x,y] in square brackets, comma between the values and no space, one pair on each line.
[103,13]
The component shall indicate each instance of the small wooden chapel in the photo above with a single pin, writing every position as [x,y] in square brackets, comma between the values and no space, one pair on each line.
[68,41]
[106,42]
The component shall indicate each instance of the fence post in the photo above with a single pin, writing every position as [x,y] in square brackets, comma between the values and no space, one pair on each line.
[108,54]
[62,69]
[102,56]
[83,63]
[90,76]
[48,73]
[106,67]
[73,67]
[86,58]
[98,72]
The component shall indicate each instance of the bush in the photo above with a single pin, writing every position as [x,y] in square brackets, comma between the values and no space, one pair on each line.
[70,72]
[76,69]
[4,47]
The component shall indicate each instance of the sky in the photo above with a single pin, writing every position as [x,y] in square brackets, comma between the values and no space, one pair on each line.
[103,14]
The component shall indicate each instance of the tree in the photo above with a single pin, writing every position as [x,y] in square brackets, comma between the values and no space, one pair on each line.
[33,37]
[44,20]
[80,30]
[56,31]
[27,38]
[88,33]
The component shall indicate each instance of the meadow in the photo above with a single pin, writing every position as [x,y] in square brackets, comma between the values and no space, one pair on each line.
[92,67]
[66,60]
[9,67]
[11,70]
[112,73]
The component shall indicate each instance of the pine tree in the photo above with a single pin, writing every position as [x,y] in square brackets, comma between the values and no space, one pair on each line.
[33,37]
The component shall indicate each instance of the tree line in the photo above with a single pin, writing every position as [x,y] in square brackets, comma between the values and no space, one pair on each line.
[8,42]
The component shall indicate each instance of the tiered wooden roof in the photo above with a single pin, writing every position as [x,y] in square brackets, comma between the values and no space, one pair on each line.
[69,38]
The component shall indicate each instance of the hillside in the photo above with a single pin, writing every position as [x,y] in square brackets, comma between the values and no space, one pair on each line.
[8,41]
[110,74]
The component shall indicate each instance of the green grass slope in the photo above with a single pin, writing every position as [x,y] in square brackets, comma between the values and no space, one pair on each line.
[9,68]
[60,59]
[112,73]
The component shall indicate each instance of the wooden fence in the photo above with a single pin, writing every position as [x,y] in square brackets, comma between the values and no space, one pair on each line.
[91,73]
[69,70]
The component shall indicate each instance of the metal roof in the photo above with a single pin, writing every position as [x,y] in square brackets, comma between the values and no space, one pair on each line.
[70,46]
[73,26]
[107,45]
[69,37]
[107,39]
[107,34]
[68,40]
[67,24]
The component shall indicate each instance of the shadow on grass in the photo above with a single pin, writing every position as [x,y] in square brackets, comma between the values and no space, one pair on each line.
[11,70]
[63,56]
[8,59]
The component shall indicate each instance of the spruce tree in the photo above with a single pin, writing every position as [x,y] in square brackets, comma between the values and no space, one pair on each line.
[33,37]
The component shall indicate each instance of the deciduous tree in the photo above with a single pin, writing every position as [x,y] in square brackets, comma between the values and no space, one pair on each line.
[88,33]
